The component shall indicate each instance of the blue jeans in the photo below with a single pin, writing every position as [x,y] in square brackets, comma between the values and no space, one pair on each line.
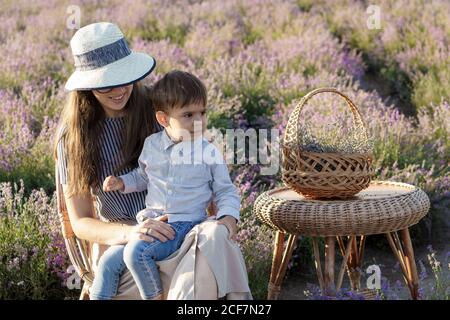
[139,257]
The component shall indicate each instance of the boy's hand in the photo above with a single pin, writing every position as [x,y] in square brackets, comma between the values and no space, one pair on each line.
[163,218]
[112,183]
[230,223]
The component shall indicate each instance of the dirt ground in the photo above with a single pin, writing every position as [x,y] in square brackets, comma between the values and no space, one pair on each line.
[296,282]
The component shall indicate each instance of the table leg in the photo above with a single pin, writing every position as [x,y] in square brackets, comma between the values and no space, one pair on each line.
[403,251]
[326,279]
[317,263]
[272,292]
[346,252]
[329,266]
[279,263]
[410,263]
[355,258]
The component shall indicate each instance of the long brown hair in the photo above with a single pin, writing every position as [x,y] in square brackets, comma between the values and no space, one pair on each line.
[81,121]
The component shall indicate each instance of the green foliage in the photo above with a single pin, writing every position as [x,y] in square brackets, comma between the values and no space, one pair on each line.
[305,5]
[36,170]
[27,248]
[154,30]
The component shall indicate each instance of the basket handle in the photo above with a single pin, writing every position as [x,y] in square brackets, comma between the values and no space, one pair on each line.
[293,122]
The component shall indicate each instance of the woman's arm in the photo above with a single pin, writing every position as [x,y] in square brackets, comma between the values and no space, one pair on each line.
[86,226]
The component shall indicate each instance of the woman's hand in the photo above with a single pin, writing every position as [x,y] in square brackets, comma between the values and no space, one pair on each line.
[152,229]
[112,183]
[230,223]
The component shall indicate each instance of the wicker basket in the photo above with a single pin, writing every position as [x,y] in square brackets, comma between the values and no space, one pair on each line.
[323,175]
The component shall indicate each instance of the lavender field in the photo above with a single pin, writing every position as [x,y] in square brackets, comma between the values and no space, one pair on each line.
[256,58]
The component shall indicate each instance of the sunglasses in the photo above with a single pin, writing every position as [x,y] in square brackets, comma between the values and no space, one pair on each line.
[106,90]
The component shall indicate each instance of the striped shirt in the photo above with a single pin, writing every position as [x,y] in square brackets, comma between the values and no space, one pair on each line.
[110,206]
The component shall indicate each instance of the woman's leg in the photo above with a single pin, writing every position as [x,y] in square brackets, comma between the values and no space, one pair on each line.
[106,280]
[204,279]
[225,260]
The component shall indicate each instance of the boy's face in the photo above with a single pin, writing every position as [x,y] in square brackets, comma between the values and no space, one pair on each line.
[186,123]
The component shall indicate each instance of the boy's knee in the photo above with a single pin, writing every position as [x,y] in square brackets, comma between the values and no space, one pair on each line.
[110,262]
[112,267]
[132,252]
[136,251]
[102,266]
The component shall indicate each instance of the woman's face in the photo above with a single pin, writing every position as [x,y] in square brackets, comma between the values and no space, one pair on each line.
[113,100]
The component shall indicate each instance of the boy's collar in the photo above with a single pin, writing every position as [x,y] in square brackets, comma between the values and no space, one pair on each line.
[167,142]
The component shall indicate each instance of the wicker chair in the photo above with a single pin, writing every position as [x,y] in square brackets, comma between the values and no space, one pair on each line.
[78,249]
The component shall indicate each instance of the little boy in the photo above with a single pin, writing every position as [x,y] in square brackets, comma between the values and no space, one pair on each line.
[182,172]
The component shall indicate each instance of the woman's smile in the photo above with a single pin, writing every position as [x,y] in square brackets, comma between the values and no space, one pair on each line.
[118,99]
[114,101]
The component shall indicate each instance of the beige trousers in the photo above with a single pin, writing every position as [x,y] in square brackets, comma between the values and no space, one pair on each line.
[207,266]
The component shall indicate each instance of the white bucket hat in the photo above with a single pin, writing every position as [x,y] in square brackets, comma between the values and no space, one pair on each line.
[103,59]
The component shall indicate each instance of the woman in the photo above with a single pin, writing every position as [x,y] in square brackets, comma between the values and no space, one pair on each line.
[102,131]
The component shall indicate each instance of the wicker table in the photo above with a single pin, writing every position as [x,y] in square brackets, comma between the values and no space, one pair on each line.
[383,208]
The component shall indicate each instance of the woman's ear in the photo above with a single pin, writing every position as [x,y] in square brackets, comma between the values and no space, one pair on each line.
[162,118]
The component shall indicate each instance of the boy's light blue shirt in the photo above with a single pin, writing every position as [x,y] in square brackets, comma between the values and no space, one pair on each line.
[181,179]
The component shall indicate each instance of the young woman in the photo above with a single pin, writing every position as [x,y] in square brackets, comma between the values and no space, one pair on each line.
[102,131]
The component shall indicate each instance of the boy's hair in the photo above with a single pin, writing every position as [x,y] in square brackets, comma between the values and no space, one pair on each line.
[177,89]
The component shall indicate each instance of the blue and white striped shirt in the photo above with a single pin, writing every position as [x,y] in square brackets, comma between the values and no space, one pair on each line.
[110,206]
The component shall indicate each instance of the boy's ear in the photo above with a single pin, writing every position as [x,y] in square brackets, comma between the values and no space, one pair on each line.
[162,118]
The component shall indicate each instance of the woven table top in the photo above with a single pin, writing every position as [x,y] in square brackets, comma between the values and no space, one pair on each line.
[384,206]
